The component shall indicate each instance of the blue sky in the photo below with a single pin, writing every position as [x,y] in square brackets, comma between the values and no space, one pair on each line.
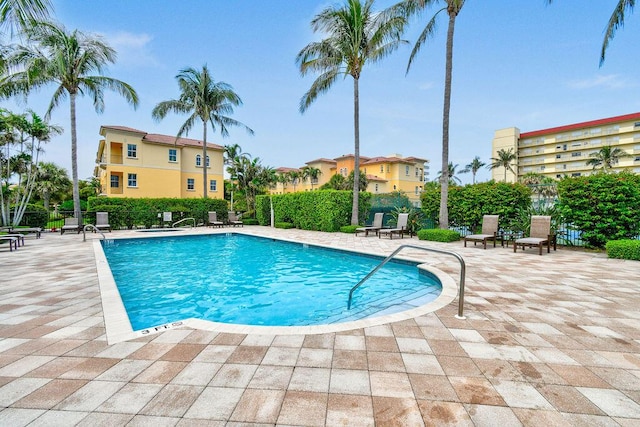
[516,63]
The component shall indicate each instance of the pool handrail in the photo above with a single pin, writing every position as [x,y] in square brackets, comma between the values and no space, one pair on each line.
[183,220]
[460,314]
[91,227]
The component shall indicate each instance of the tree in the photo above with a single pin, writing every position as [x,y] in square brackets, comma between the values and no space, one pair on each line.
[452,8]
[232,158]
[504,160]
[20,14]
[52,182]
[336,182]
[606,158]
[451,173]
[355,35]
[473,167]
[294,176]
[67,59]
[205,99]
[311,173]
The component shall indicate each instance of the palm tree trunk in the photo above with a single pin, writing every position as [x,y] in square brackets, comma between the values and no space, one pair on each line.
[74,158]
[444,186]
[356,153]
[204,160]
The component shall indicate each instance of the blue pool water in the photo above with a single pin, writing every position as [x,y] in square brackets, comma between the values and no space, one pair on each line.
[241,279]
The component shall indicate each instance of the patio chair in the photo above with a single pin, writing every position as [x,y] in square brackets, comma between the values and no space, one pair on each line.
[102,221]
[21,230]
[167,217]
[20,237]
[489,232]
[375,227]
[400,227]
[13,242]
[234,220]
[539,235]
[213,220]
[71,224]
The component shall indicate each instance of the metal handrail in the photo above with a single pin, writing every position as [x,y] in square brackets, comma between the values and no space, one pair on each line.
[463,268]
[91,226]
[183,220]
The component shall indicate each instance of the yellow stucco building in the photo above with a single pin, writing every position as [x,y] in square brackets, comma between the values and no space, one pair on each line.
[564,150]
[134,163]
[385,174]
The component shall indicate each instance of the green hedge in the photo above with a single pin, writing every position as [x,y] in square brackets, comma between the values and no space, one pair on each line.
[312,210]
[349,228]
[129,212]
[624,249]
[34,216]
[284,225]
[602,206]
[468,204]
[438,235]
[250,221]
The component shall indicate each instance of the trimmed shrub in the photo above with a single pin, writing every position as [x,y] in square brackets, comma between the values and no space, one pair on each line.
[439,235]
[34,216]
[624,249]
[349,228]
[250,221]
[602,206]
[285,225]
[312,210]
[468,204]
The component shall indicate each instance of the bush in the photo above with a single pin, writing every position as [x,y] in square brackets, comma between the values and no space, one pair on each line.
[468,204]
[439,235]
[312,210]
[349,228]
[602,206]
[67,205]
[285,225]
[250,221]
[34,216]
[624,249]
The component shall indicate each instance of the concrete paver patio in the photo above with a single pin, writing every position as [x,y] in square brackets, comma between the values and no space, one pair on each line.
[548,340]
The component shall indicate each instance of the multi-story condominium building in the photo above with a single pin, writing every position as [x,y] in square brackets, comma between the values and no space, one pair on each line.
[134,163]
[385,174]
[564,150]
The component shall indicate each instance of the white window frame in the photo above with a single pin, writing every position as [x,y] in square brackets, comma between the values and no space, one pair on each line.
[173,155]
[132,151]
[213,185]
[132,180]
[191,184]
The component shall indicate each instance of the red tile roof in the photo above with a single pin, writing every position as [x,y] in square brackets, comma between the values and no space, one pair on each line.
[322,160]
[592,123]
[162,139]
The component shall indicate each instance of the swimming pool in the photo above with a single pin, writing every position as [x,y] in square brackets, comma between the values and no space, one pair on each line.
[239,279]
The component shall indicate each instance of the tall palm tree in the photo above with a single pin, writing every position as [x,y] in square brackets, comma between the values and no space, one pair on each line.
[205,99]
[473,167]
[606,157]
[452,8]
[355,35]
[505,159]
[74,62]
[233,156]
[295,176]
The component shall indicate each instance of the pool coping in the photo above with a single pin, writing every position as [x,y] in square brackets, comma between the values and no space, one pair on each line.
[118,327]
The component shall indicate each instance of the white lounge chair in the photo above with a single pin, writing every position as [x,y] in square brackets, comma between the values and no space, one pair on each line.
[71,224]
[102,221]
[489,232]
[213,220]
[375,226]
[234,220]
[539,235]
[400,227]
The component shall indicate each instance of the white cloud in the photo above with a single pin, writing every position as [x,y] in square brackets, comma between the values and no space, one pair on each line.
[609,81]
[133,49]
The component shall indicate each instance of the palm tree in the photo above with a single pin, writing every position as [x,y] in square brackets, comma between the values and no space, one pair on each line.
[205,99]
[69,60]
[232,158]
[20,14]
[473,167]
[51,182]
[451,173]
[504,160]
[295,176]
[606,157]
[452,8]
[312,174]
[355,35]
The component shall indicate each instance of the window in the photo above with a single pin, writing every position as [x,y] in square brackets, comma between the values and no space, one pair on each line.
[381,168]
[576,154]
[213,185]
[173,155]
[132,180]
[394,187]
[115,181]
[636,125]
[132,151]
[376,188]
[558,175]
[558,156]
[198,160]
[388,168]
[191,184]
[406,170]
[208,164]
[417,171]
[576,174]
[417,190]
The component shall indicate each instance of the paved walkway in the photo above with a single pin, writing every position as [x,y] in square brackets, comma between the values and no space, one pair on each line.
[550,340]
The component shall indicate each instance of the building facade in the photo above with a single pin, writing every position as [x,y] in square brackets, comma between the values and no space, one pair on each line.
[564,150]
[385,174]
[134,163]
